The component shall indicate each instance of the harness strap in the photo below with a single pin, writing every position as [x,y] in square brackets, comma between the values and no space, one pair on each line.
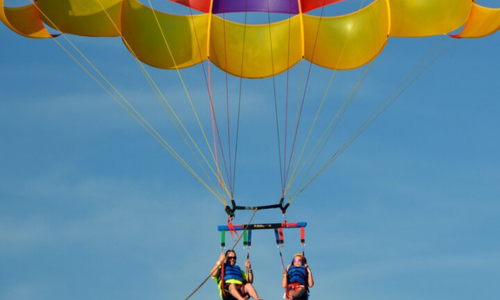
[282,240]
[239,287]
[302,236]
[231,228]
[295,286]
[222,287]
[223,240]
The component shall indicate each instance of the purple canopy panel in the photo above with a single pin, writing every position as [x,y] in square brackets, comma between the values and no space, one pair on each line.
[274,6]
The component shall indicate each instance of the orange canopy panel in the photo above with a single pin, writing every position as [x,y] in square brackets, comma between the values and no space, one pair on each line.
[483,21]
[24,20]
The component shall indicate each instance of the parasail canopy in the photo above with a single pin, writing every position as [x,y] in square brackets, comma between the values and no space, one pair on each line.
[169,41]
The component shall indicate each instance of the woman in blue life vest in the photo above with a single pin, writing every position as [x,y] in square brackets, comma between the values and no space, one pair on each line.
[233,282]
[297,279]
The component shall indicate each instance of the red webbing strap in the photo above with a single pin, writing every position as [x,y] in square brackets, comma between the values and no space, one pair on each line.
[282,241]
[303,240]
[285,271]
[302,236]
[279,241]
[295,286]
[231,228]
[222,288]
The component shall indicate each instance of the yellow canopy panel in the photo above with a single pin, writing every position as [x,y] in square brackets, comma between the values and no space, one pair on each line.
[255,51]
[24,21]
[349,41]
[419,18]
[179,42]
[96,18]
[483,21]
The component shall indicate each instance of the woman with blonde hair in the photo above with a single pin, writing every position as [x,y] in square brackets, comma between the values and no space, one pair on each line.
[297,279]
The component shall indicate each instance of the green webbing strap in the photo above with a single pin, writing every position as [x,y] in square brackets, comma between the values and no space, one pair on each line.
[245,239]
[223,239]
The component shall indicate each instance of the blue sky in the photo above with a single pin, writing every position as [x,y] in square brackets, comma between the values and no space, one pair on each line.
[93,207]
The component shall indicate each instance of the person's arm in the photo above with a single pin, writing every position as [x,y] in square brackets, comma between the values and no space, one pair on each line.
[310,280]
[284,282]
[250,272]
[216,268]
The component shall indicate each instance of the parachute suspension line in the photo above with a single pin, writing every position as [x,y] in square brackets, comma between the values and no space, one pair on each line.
[305,93]
[165,104]
[297,113]
[347,100]
[229,170]
[176,67]
[185,89]
[220,176]
[209,92]
[213,269]
[165,101]
[278,232]
[218,136]
[217,139]
[294,175]
[171,114]
[294,170]
[240,97]
[382,107]
[217,174]
[274,93]
[130,110]
[330,130]
[126,105]
[338,115]
[283,181]
[208,82]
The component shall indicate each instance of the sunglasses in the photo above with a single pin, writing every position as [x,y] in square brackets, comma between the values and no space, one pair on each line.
[231,257]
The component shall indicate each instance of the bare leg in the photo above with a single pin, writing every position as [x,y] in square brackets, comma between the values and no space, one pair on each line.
[251,291]
[235,293]
[296,294]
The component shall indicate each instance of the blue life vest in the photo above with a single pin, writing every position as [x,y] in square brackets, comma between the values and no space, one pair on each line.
[297,274]
[232,272]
